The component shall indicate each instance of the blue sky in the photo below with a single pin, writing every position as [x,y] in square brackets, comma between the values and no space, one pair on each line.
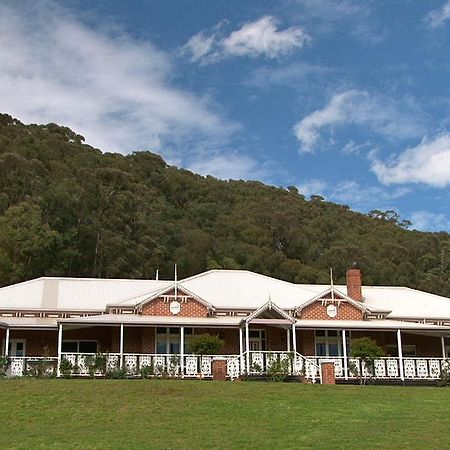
[346,99]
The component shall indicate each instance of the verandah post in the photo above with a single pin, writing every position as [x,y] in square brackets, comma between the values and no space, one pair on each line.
[247,347]
[288,339]
[182,351]
[60,337]
[294,338]
[344,348]
[241,350]
[121,346]
[443,347]
[400,355]
[7,342]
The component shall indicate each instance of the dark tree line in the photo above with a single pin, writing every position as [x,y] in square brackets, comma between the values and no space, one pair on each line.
[68,209]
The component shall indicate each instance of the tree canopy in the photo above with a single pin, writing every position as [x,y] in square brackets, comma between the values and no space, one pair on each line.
[67,209]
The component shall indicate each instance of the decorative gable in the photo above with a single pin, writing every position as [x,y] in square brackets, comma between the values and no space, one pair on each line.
[331,305]
[331,311]
[179,304]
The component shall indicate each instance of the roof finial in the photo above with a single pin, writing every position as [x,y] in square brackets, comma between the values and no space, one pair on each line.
[331,284]
[270,302]
[176,282]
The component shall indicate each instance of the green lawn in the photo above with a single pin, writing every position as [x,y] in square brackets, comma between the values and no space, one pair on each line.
[206,414]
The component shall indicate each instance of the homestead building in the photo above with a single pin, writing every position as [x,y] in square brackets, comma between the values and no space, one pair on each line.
[144,323]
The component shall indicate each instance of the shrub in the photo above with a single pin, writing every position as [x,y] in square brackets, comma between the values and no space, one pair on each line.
[205,344]
[147,371]
[279,368]
[367,350]
[4,364]
[116,374]
[95,364]
[66,368]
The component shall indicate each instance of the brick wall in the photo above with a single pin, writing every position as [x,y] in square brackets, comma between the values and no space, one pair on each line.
[161,307]
[37,340]
[306,342]
[317,311]
[107,337]
[328,373]
[2,340]
[425,345]
[229,335]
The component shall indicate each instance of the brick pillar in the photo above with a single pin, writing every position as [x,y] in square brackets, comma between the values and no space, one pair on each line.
[354,289]
[328,376]
[219,369]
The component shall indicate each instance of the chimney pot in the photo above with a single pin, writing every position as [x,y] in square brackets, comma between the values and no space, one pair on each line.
[354,289]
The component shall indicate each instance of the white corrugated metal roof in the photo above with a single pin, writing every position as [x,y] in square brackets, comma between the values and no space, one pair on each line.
[28,322]
[227,289]
[407,303]
[248,290]
[370,325]
[137,319]
[73,294]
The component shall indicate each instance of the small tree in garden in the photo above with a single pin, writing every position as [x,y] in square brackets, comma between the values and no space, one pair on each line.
[367,350]
[205,344]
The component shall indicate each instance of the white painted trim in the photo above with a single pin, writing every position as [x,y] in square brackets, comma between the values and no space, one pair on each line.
[182,351]
[294,338]
[121,345]
[400,354]
[241,350]
[269,306]
[247,348]
[7,343]
[288,339]
[344,348]
[60,339]
[444,352]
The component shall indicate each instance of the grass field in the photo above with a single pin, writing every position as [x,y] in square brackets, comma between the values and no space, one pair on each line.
[201,414]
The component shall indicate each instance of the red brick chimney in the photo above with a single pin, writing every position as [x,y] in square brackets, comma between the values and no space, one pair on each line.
[354,284]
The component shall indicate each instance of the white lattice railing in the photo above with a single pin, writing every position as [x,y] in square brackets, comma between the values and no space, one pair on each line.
[260,363]
[196,366]
[170,365]
[389,367]
[32,365]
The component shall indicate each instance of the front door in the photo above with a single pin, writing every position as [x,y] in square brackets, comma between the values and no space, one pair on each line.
[257,340]
[255,344]
[16,347]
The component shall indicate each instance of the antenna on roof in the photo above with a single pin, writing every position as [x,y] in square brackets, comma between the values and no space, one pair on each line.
[176,286]
[157,274]
[331,284]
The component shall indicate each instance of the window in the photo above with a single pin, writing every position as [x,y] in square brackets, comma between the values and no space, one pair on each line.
[16,347]
[257,340]
[79,346]
[329,343]
[407,350]
[168,340]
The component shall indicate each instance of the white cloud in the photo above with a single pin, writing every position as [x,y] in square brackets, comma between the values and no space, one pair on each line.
[352,193]
[313,187]
[113,89]
[381,115]
[364,197]
[291,74]
[438,17]
[253,39]
[426,221]
[226,166]
[428,163]
[344,16]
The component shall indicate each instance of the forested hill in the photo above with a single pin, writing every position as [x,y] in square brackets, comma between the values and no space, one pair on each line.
[66,209]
